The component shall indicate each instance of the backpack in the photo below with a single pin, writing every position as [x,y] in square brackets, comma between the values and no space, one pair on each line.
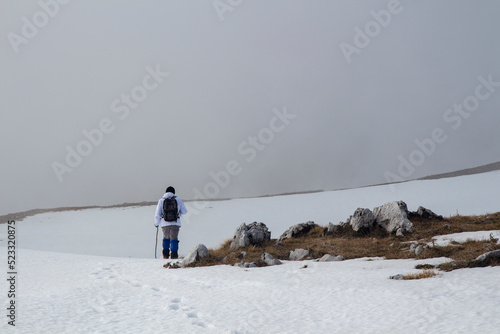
[170,211]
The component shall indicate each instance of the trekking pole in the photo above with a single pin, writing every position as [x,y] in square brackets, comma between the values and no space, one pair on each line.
[156,242]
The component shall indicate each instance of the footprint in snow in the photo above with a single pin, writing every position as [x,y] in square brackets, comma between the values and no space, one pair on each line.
[174,307]
[192,314]
[189,312]
[175,304]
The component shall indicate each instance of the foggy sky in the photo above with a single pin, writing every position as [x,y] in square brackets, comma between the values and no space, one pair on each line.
[260,95]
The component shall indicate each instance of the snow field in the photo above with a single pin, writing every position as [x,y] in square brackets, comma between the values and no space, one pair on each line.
[67,293]
[92,271]
[130,232]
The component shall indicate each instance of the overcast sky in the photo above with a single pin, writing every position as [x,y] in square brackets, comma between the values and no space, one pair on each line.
[105,102]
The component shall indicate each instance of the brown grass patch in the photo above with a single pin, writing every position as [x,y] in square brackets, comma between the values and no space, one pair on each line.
[374,243]
[424,274]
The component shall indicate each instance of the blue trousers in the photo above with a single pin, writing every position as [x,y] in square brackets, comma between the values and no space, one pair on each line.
[170,237]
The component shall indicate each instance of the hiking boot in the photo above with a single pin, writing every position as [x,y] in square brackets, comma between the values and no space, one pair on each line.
[166,253]
[174,255]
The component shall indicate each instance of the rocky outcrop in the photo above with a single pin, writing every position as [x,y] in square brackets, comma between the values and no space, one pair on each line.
[488,257]
[425,214]
[331,229]
[361,219]
[198,253]
[252,234]
[393,217]
[297,230]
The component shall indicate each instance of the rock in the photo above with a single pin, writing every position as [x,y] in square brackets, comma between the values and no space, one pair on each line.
[329,258]
[198,253]
[242,255]
[252,234]
[426,214]
[298,254]
[397,277]
[330,229]
[269,260]
[399,233]
[171,265]
[246,265]
[393,216]
[487,257]
[419,250]
[413,247]
[297,230]
[362,219]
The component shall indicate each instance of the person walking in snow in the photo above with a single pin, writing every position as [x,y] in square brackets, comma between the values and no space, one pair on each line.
[168,212]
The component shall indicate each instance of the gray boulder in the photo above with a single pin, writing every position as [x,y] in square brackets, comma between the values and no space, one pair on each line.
[418,250]
[426,213]
[269,260]
[297,230]
[298,254]
[246,265]
[487,257]
[397,277]
[330,229]
[198,253]
[252,234]
[393,216]
[362,219]
[329,258]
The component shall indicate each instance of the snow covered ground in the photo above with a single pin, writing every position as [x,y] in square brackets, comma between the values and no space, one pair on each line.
[446,240]
[93,271]
[130,232]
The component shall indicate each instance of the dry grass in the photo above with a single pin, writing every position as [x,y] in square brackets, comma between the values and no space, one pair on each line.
[423,274]
[375,243]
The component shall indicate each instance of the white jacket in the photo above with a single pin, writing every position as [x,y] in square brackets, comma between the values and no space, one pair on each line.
[159,221]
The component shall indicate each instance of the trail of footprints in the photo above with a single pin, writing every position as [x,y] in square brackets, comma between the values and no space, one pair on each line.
[175,304]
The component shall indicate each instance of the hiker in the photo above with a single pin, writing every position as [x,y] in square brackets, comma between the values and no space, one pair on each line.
[168,212]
